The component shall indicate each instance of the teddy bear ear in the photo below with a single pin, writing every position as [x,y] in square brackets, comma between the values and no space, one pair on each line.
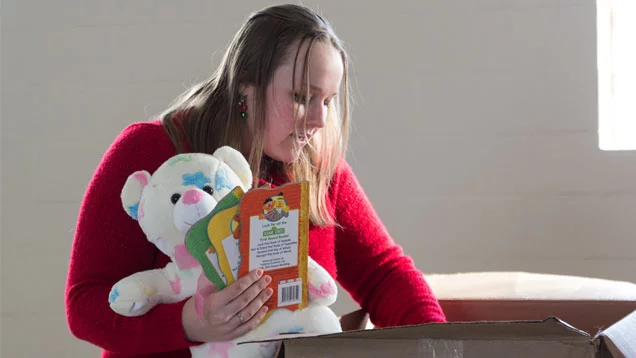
[131,193]
[237,162]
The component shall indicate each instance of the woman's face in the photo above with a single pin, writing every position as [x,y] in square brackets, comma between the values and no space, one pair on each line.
[284,137]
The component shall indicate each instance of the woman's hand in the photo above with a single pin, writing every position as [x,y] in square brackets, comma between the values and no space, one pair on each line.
[229,313]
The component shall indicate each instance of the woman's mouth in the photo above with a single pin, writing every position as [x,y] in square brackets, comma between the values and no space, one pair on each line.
[301,139]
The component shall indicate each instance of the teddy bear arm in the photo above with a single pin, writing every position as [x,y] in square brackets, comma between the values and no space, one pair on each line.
[138,293]
[316,319]
[175,285]
[321,286]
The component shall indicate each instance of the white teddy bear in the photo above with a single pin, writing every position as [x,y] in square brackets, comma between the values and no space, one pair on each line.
[182,191]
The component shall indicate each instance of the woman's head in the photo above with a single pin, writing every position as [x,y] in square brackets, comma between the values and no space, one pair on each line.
[290,68]
[296,108]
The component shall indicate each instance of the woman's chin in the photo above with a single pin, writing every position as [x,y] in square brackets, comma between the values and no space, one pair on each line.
[285,156]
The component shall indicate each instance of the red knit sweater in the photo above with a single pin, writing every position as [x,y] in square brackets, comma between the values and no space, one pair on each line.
[108,246]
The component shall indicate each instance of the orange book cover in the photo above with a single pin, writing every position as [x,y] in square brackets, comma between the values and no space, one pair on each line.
[273,229]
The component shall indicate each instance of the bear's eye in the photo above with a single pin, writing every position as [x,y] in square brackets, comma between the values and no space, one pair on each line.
[175,197]
[208,189]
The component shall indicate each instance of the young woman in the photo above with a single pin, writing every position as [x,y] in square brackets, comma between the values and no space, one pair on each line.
[280,97]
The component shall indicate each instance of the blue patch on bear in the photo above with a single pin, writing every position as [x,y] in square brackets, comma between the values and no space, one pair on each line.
[197,179]
[221,181]
[114,294]
[133,210]
[295,330]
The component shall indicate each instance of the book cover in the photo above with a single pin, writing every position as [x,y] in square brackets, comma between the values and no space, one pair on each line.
[274,226]
[264,228]
[214,241]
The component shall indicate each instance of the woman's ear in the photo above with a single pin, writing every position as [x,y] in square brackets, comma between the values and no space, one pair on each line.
[246,90]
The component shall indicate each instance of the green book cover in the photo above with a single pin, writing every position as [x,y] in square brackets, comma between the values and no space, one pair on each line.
[212,241]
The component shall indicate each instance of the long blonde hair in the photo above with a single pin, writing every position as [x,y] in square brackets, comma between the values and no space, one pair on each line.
[206,117]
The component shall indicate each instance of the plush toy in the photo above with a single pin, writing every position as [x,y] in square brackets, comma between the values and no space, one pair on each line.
[166,204]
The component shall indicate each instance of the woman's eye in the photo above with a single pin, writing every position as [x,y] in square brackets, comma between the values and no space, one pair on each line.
[300,98]
[208,189]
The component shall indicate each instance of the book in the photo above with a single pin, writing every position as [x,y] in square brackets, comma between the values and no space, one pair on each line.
[210,239]
[274,226]
[263,228]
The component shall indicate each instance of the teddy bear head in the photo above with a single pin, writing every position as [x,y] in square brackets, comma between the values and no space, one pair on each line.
[183,190]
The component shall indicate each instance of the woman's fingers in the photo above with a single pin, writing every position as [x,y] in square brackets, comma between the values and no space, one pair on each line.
[222,306]
[249,324]
[252,309]
[235,289]
[228,313]
[255,294]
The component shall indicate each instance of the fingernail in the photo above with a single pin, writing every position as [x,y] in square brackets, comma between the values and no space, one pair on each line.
[269,292]
[268,279]
[265,309]
[259,272]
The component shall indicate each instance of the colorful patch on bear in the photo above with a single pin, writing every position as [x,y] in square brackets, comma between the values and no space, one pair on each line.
[222,349]
[295,330]
[141,178]
[183,259]
[221,181]
[133,210]
[179,158]
[325,290]
[176,285]
[197,179]
[150,291]
[140,210]
[114,295]
[186,273]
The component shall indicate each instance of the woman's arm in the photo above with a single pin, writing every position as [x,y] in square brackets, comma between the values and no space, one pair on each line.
[372,267]
[109,245]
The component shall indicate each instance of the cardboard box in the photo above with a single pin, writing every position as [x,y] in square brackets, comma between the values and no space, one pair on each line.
[587,315]
[495,314]
[551,337]
[589,304]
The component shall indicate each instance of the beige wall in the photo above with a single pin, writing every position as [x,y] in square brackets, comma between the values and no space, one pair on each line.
[475,133]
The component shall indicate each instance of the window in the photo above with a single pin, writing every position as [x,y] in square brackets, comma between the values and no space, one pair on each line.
[616,55]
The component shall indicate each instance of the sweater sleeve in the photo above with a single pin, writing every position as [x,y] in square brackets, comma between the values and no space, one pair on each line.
[109,245]
[372,267]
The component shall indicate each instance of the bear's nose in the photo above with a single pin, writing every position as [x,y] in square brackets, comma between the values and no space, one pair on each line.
[192,196]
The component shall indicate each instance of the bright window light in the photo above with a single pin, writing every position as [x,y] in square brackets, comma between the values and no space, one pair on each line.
[616,51]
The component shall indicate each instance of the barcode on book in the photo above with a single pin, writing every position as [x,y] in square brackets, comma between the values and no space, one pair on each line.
[289,292]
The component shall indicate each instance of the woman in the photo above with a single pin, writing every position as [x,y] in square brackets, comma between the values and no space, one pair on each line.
[280,97]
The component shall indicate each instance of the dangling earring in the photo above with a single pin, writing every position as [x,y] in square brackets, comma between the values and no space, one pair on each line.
[242,107]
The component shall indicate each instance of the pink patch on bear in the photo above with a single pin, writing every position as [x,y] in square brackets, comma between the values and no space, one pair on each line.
[192,196]
[183,259]
[326,289]
[220,348]
[142,178]
[141,210]
[176,285]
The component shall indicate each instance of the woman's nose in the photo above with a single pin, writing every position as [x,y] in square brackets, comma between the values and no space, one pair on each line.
[317,116]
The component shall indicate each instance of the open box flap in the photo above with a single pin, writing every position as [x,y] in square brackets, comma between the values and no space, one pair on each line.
[552,328]
[620,338]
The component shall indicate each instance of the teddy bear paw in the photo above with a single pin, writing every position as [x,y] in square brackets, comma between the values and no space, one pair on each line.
[128,298]
[321,286]
[324,293]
